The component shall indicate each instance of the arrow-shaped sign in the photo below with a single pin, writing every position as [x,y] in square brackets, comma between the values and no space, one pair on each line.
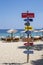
[28,28]
[28,32]
[28,19]
[28,44]
[28,52]
[29,15]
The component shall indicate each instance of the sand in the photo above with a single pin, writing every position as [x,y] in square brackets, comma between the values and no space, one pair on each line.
[12,54]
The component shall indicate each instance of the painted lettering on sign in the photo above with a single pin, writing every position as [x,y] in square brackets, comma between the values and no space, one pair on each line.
[28,28]
[29,15]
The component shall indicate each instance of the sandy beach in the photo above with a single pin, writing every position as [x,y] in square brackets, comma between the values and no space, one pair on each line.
[12,54]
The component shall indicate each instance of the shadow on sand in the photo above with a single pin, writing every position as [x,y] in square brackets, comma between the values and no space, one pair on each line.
[13,63]
[37,47]
[37,62]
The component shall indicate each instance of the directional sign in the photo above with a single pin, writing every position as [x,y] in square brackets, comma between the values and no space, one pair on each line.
[27,24]
[27,40]
[28,52]
[28,32]
[28,44]
[29,15]
[31,44]
[28,28]
[28,19]
[28,47]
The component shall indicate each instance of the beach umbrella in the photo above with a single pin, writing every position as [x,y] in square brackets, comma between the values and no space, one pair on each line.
[36,32]
[36,36]
[22,33]
[17,36]
[41,31]
[11,31]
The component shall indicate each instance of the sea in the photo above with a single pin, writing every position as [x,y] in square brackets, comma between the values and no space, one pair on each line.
[4,33]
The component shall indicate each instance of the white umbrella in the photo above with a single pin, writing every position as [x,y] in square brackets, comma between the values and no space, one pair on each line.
[11,31]
[22,31]
[36,36]
[17,36]
[35,31]
[41,30]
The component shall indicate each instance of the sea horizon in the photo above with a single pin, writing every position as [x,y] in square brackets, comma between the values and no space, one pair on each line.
[3,32]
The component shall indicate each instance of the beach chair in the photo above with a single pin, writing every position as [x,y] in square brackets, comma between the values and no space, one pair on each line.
[36,38]
[16,39]
[8,39]
[42,38]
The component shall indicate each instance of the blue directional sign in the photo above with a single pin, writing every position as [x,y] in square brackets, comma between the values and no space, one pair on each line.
[28,19]
[28,32]
[28,52]
[27,24]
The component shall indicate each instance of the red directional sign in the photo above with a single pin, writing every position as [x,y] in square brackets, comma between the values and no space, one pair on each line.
[28,44]
[25,15]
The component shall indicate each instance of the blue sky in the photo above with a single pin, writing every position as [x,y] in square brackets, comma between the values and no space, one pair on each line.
[10,13]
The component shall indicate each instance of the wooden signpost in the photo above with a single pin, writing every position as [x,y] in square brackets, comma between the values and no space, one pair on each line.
[28,18]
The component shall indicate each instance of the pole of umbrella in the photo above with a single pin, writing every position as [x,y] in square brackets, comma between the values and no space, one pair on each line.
[11,36]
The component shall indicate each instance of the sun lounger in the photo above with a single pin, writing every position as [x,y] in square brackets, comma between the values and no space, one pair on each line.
[3,39]
[35,38]
[15,39]
[42,38]
[8,39]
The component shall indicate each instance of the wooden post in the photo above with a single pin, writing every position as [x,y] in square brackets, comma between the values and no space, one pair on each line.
[28,49]
[27,58]
[27,15]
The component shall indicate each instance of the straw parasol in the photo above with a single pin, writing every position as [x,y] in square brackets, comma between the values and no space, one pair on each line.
[11,31]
